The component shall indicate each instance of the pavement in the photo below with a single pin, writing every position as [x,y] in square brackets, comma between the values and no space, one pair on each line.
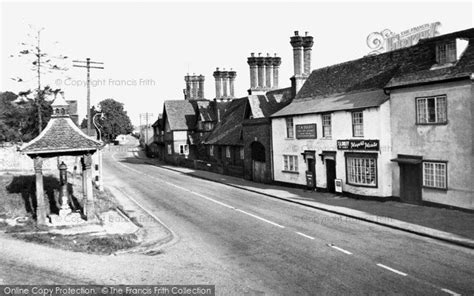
[449,225]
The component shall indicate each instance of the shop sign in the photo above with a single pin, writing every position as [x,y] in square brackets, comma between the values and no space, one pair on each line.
[372,145]
[306,131]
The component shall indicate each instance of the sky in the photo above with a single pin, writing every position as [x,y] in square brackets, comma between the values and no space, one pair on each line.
[148,47]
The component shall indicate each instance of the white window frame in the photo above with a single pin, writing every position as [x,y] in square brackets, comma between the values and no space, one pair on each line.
[361,170]
[227,151]
[170,150]
[242,153]
[327,125]
[290,163]
[357,123]
[435,174]
[183,149]
[424,112]
[446,52]
[290,129]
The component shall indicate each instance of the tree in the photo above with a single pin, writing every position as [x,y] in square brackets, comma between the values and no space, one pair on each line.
[18,118]
[42,64]
[115,120]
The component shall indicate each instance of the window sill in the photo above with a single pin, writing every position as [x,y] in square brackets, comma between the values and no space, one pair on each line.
[362,185]
[433,123]
[291,172]
[435,188]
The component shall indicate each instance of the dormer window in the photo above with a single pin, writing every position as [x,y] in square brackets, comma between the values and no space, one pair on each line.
[446,52]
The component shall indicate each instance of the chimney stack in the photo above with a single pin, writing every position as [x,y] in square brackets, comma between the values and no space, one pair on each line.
[217,76]
[232,75]
[201,87]
[276,66]
[268,71]
[302,61]
[261,71]
[297,44]
[194,87]
[307,45]
[252,61]
[225,83]
[187,91]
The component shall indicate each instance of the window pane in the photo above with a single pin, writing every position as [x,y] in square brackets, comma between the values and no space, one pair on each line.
[441,109]
[362,171]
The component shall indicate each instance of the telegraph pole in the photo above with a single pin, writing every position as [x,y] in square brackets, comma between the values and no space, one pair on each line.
[88,63]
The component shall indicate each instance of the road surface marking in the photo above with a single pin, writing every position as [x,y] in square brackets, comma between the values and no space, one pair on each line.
[391,269]
[307,236]
[260,218]
[203,196]
[340,249]
[450,292]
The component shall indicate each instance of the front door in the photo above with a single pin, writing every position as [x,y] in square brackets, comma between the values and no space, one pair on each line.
[258,171]
[330,174]
[311,177]
[410,183]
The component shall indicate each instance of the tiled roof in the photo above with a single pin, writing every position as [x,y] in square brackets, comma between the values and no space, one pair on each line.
[206,110]
[60,135]
[262,106]
[229,130]
[180,114]
[337,102]
[342,84]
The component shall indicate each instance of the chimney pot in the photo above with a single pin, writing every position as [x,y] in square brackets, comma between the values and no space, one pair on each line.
[252,54]
[296,33]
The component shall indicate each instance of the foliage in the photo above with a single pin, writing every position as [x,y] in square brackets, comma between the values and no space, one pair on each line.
[114,121]
[19,119]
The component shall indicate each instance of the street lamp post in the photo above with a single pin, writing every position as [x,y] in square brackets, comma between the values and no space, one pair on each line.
[100,183]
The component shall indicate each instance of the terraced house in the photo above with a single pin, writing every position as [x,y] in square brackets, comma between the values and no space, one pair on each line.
[397,124]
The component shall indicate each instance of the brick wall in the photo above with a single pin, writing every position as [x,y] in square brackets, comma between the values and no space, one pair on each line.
[257,130]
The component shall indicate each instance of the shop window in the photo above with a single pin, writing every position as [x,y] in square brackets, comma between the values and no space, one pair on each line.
[290,163]
[242,153]
[227,151]
[357,124]
[435,174]
[431,110]
[184,149]
[361,170]
[289,128]
[211,150]
[170,150]
[446,52]
[327,132]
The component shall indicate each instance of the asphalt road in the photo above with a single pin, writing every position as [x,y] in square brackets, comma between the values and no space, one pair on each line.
[279,248]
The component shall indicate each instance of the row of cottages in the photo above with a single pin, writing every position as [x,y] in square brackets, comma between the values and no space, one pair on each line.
[227,135]
[398,124]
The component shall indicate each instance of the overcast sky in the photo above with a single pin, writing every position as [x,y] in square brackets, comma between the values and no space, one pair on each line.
[148,47]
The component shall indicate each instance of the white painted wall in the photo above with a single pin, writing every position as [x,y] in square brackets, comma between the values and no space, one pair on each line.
[179,138]
[452,142]
[376,127]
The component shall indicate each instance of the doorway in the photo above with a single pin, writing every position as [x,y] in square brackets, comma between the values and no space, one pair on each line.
[330,174]
[259,164]
[310,170]
[410,183]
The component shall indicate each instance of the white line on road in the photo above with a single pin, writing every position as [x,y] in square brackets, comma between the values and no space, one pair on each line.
[305,235]
[340,249]
[260,218]
[450,292]
[203,196]
[391,269]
